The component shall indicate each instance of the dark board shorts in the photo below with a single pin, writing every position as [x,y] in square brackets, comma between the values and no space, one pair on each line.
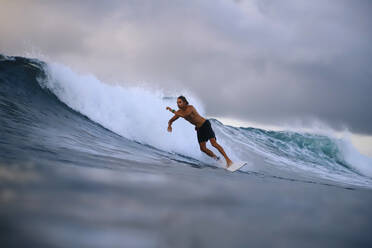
[205,132]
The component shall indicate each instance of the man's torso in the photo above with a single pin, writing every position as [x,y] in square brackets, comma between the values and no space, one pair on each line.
[192,116]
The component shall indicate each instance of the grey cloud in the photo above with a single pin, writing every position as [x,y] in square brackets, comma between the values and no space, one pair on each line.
[265,61]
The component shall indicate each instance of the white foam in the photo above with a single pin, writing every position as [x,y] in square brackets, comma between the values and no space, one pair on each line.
[137,113]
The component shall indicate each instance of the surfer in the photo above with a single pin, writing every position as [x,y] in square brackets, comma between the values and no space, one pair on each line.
[202,127]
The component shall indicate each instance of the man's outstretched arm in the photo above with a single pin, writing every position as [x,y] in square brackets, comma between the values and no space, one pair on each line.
[179,113]
[171,121]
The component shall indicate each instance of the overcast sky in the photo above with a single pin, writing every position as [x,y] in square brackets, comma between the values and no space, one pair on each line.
[270,62]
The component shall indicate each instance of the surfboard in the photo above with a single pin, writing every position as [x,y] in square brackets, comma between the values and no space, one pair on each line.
[236,166]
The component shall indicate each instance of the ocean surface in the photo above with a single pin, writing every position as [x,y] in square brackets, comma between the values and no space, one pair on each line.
[66,136]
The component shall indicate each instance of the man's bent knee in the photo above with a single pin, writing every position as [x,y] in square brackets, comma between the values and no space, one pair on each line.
[214,143]
[203,147]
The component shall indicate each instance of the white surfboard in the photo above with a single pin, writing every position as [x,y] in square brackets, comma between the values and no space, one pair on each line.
[236,166]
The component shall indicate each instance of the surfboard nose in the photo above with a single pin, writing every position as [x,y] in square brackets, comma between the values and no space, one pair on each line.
[236,166]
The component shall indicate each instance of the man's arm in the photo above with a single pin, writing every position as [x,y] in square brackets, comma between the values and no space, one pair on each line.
[175,117]
[170,109]
[179,113]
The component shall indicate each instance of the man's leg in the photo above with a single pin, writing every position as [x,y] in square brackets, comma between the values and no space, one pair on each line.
[220,149]
[203,148]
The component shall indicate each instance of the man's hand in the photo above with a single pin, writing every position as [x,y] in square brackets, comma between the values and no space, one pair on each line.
[170,128]
[170,109]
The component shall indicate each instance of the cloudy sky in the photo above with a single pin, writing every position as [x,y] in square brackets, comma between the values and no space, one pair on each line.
[265,61]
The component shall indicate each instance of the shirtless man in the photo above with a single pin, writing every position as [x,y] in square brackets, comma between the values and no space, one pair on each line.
[202,126]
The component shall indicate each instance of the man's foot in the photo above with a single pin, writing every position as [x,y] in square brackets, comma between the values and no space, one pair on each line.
[229,163]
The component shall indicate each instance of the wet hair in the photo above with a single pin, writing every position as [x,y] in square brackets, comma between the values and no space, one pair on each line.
[183,99]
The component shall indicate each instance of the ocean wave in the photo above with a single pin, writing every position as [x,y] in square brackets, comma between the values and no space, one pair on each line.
[48,111]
